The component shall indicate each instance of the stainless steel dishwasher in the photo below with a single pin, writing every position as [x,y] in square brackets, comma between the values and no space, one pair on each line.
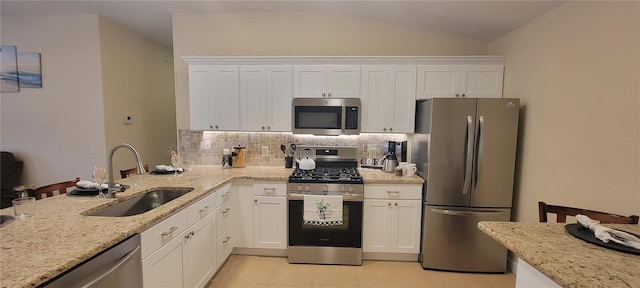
[118,266]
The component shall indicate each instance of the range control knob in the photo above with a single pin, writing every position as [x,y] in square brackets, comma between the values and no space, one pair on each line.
[343,188]
[307,187]
[350,188]
[299,187]
[325,188]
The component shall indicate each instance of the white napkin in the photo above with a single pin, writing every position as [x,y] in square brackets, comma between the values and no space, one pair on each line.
[168,168]
[607,234]
[90,185]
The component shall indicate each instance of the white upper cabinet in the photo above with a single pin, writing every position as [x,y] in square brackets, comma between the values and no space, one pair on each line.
[388,94]
[214,97]
[462,81]
[265,98]
[317,81]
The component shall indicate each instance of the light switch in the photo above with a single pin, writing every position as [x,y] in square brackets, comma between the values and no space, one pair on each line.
[205,144]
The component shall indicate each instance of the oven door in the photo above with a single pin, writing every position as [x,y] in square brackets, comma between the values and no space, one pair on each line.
[349,234]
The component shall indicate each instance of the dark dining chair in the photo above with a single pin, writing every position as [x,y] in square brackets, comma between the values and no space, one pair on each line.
[55,189]
[562,212]
[125,173]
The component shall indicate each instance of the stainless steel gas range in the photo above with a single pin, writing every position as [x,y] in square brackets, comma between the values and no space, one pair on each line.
[335,178]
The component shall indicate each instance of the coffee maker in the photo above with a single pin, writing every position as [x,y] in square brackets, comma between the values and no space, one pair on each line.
[399,148]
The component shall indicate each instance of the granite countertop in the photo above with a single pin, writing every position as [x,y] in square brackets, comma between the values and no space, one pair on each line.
[565,259]
[59,236]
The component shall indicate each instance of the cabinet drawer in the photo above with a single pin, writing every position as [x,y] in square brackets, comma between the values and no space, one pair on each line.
[268,188]
[224,245]
[223,194]
[163,232]
[201,209]
[391,191]
[225,216]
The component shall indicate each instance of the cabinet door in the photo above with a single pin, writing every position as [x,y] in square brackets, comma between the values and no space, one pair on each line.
[406,219]
[309,81]
[279,95]
[376,225]
[270,222]
[201,96]
[164,267]
[343,81]
[226,94]
[402,99]
[438,81]
[243,193]
[482,81]
[374,88]
[200,252]
[253,98]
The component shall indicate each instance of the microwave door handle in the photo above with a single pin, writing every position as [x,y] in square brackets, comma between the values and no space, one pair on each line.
[344,118]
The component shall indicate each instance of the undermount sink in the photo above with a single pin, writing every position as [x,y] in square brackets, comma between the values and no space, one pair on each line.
[143,203]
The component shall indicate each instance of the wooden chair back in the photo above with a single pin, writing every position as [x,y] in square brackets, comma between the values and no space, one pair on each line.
[125,173]
[55,189]
[562,212]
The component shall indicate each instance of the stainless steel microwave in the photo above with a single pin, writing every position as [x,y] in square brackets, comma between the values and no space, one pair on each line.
[326,116]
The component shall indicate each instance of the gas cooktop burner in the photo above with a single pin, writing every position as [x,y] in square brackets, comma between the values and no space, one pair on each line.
[326,175]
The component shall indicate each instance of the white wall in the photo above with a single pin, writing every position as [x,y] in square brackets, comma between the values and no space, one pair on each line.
[577,72]
[297,34]
[51,129]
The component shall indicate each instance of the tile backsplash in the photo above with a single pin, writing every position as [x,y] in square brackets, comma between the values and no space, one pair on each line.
[205,147]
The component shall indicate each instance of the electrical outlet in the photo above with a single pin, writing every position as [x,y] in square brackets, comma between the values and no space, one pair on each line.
[265,151]
[205,144]
[93,149]
[128,119]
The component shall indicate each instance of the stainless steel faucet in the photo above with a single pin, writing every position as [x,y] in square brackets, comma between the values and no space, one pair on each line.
[139,167]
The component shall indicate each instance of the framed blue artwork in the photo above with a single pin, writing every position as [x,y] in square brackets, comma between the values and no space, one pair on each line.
[29,71]
[9,69]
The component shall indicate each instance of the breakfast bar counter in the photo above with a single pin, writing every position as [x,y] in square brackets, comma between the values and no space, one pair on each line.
[565,259]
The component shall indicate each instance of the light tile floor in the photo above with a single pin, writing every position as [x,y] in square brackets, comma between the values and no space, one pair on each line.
[272,272]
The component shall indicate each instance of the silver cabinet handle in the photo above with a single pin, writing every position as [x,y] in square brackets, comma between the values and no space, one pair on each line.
[393,191]
[204,209]
[225,196]
[225,211]
[270,190]
[467,172]
[226,240]
[171,230]
[389,204]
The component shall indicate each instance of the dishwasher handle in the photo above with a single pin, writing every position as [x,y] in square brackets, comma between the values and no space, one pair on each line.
[110,270]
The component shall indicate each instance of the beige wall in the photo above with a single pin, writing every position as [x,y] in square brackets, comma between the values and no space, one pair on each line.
[53,128]
[577,71]
[137,76]
[94,72]
[297,34]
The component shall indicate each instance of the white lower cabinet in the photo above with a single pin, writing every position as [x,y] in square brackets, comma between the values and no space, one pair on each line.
[181,251]
[270,222]
[225,218]
[391,218]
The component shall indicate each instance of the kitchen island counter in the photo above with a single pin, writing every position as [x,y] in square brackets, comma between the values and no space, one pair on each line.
[567,260]
[59,236]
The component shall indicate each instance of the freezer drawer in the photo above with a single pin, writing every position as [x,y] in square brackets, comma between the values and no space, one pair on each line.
[452,241]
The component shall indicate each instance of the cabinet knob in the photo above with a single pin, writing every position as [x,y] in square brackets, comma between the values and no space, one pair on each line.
[255,200]
[457,95]
[390,129]
[216,126]
[464,95]
[384,129]
[396,204]
[268,127]
[210,126]
[324,95]
[262,127]
[389,204]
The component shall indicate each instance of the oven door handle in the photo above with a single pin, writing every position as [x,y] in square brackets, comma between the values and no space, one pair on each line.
[345,197]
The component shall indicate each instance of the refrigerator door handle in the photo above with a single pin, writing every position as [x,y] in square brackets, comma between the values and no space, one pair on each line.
[469,160]
[479,154]
[465,213]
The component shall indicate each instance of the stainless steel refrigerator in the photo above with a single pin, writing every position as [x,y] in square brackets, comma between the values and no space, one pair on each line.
[465,150]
